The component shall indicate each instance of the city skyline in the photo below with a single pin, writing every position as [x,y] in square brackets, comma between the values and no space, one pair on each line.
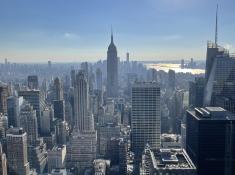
[80,30]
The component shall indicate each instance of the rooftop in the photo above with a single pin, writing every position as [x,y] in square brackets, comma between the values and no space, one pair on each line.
[145,84]
[211,113]
[168,159]
[173,158]
[15,131]
[100,165]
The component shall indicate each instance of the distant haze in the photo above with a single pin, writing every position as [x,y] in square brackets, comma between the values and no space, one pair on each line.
[74,31]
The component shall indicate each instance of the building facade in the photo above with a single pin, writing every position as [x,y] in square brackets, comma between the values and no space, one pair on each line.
[112,70]
[211,140]
[17,154]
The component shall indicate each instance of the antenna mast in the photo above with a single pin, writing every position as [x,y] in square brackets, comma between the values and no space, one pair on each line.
[216,27]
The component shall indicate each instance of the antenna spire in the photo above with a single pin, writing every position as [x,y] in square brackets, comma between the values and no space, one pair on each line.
[111,34]
[216,26]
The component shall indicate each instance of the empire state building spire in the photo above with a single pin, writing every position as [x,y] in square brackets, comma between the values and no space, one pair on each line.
[111,34]
[112,69]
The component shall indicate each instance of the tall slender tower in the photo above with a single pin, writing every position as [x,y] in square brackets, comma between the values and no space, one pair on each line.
[212,49]
[83,141]
[81,102]
[112,70]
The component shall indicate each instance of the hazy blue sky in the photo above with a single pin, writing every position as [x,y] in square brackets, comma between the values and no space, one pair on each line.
[78,30]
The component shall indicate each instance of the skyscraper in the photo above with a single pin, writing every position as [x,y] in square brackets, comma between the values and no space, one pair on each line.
[28,121]
[59,109]
[145,118]
[45,121]
[58,89]
[61,132]
[99,80]
[81,102]
[211,140]
[73,77]
[220,76]
[35,98]
[196,92]
[3,98]
[13,110]
[17,156]
[85,69]
[112,70]
[171,79]
[33,82]
[83,140]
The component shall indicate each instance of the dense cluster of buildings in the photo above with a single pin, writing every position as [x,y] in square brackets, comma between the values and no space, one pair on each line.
[117,117]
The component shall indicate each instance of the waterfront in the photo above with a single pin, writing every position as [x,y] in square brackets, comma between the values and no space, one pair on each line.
[176,67]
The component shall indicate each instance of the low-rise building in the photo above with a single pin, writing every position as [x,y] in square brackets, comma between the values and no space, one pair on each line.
[166,162]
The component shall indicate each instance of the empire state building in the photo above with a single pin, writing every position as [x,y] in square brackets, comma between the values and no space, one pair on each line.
[112,70]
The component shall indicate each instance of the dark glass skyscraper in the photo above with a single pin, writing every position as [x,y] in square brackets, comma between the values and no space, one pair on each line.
[220,78]
[211,140]
[196,92]
[59,109]
[33,82]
